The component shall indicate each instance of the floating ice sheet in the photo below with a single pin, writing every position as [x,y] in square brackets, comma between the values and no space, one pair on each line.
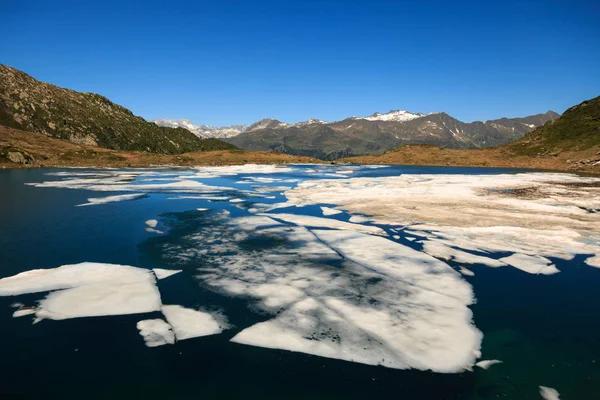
[188,323]
[477,219]
[548,393]
[486,364]
[93,201]
[417,318]
[165,273]
[310,221]
[531,264]
[156,332]
[350,296]
[87,289]
[330,211]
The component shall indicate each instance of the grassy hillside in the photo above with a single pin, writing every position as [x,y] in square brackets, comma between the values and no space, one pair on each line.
[577,129]
[87,118]
[20,149]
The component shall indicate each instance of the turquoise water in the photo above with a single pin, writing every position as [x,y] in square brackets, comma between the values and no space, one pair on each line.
[543,328]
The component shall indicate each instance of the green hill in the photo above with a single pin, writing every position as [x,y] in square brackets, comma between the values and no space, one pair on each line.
[87,118]
[577,129]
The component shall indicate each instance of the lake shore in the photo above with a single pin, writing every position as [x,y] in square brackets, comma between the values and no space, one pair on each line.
[34,150]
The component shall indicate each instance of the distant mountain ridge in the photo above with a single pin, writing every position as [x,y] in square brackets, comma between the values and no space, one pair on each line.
[87,118]
[378,133]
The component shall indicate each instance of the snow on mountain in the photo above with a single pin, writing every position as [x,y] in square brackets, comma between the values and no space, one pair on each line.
[202,131]
[394,115]
[311,121]
[267,123]
[223,132]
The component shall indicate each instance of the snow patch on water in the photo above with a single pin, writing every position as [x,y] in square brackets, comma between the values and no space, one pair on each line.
[87,290]
[548,393]
[531,264]
[94,201]
[383,304]
[188,323]
[486,364]
[310,221]
[164,273]
[156,332]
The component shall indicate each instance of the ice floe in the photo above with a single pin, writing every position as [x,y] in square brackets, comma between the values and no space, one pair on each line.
[87,290]
[188,323]
[329,211]
[486,364]
[531,264]
[473,219]
[93,201]
[318,222]
[385,304]
[156,332]
[549,393]
[542,200]
[164,273]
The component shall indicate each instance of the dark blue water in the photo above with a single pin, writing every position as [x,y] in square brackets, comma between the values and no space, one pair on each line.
[544,328]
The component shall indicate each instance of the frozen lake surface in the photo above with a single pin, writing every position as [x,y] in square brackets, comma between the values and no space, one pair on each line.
[299,281]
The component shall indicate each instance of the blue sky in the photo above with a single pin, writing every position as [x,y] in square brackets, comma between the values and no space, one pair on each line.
[224,62]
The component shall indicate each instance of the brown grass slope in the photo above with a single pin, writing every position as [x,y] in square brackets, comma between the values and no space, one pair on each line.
[20,149]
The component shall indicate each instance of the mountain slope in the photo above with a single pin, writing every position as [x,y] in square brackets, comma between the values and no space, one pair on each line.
[379,133]
[571,142]
[87,118]
[577,129]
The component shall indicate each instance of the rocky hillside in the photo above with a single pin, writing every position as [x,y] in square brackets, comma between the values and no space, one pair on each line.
[379,133]
[577,129]
[87,118]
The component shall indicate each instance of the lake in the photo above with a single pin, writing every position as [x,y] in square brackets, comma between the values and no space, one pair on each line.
[299,281]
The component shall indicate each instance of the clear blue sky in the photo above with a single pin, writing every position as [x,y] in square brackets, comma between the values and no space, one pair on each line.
[223,62]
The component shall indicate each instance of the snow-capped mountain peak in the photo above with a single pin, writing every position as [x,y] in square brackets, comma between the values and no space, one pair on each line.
[394,115]
[202,131]
[311,121]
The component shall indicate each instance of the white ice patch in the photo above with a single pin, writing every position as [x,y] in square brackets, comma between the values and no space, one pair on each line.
[119,181]
[485,364]
[437,248]
[531,264]
[211,198]
[156,332]
[87,289]
[330,211]
[465,218]
[466,271]
[188,323]
[548,393]
[418,317]
[310,221]
[359,219]
[165,273]
[152,223]
[94,201]
[23,312]
[593,261]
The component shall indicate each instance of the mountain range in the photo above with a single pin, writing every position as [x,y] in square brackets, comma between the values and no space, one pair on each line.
[374,134]
[87,118]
